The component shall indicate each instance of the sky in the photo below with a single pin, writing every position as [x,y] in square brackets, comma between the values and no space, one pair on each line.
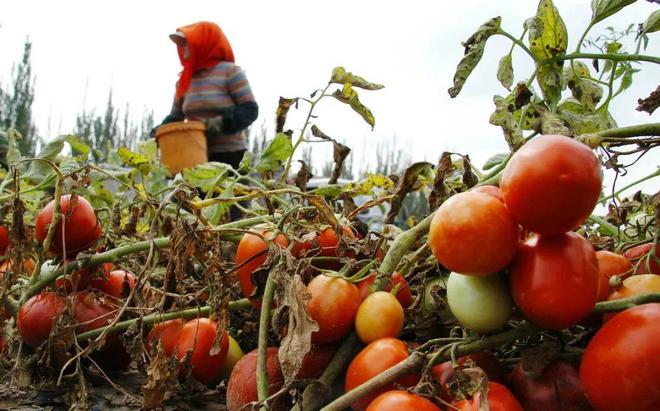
[288,48]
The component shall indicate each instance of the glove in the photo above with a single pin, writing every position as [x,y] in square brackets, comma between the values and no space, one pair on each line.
[213,127]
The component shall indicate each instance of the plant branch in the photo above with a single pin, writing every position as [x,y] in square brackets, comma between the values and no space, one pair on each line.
[262,348]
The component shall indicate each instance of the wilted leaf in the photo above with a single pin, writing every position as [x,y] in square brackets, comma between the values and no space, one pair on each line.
[162,378]
[551,123]
[581,122]
[366,185]
[325,211]
[298,340]
[404,186]
[440,191]
[469,178]
[494,160]
[206,176]
[282,111]
[650,103]
[341,76]
[13,152]
[505,71]
[602,9]
[278,150]
[303,176]
[585,90]
[474,50]
[349,96]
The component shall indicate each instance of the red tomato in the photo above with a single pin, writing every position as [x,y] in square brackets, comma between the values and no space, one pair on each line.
[92,310]
[444,373]
[620,368]
[643,260]
[558,388]
[491,190]
[167,333]
[499,399]
[36,317]
[242,384]
[80,279]
[251,253]
[81,228]
[114,283]
[198,335]
[551,184]
[328,240]
[472,233]
[333,306]
[404,295]
[610,264]
[380,315]
[554,280]
[375,358]
[397,400]
[4,240]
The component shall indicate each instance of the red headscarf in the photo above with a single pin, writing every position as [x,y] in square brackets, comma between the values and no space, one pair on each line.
[207,46]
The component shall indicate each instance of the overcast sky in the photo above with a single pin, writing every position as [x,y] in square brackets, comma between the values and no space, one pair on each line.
[288,48]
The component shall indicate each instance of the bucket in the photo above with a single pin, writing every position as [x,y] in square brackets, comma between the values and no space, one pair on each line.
[182,145]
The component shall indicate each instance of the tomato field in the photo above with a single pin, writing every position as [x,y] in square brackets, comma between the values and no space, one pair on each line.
[531,285]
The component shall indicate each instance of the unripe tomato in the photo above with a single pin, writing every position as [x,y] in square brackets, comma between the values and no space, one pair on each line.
[397,400]
[551,184]
[251,253]
[499,399]
[472,233]
[633,286]
[234,355]
[198,335]
[118,283]
[620,368]
[554,280]
[641,257]
[375,358]
[4,240]
[167,333]
[610,264]
[36,317]
[491,190]
[380,315]
[558,388]
[404,293]
[482,304]
[80,226]
[333,306]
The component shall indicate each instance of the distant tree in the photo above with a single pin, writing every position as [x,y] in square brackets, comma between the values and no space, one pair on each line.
[16,103]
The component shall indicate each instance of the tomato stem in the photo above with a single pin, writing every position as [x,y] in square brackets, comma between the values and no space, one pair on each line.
[262,348]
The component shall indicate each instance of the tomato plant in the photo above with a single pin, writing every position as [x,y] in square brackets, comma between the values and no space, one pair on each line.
[380,315]
[551,184]
[396,400]
[333,306]
[36,317]
[481,304]
[250,255]
[472,233]
[371,361]
[198,336]
[78,227]
[117,283]
[554,279]
[622,361]
[403,294]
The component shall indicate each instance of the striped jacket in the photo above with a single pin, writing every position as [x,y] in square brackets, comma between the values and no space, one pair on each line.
[219,91]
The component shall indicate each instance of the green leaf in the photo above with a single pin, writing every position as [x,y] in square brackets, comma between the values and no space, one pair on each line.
[652,24]
[149,149]
[246,161]
[349,96]
[548,38]
[613,47]
[494,161]
[602,9]
[132,159]
[39,169]
[278,150]
[13,152]
[505,71]
[78,147]
[329,191]
[341,76]
[474,50]
[206,176]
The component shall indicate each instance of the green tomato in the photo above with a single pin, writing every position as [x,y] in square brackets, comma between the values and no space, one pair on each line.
[481,304]
[233,355]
